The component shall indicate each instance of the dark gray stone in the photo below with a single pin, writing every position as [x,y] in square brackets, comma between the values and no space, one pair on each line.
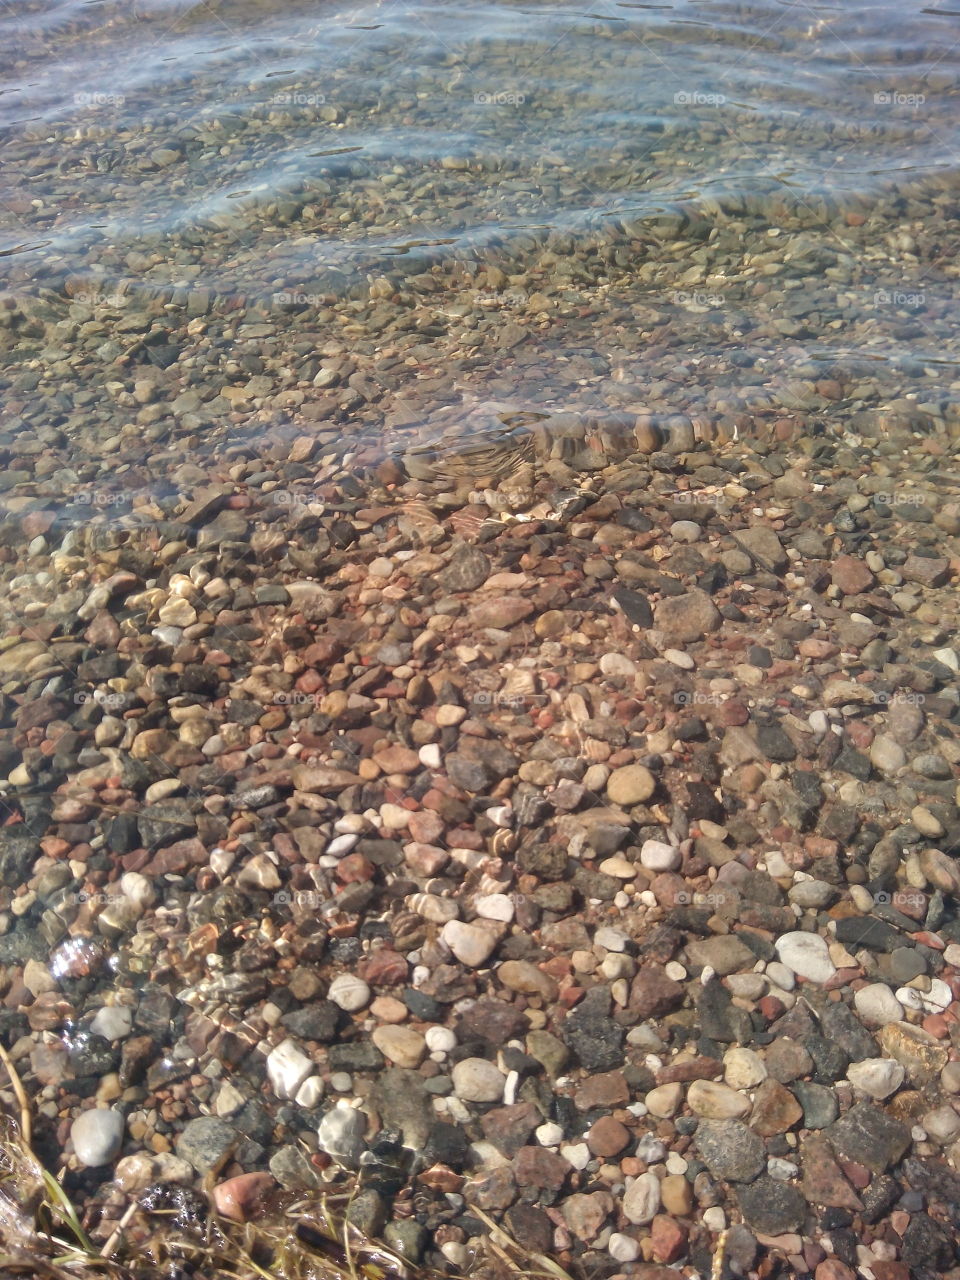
[591,1033]
[771,1207]
[206,1143]
[730,1150]
[468,569]
[870,1136]
[819,1104]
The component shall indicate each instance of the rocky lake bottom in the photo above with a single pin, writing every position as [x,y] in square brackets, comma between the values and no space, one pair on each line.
[479,716]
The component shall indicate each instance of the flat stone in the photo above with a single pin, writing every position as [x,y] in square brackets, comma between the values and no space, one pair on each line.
[478,1080]
[806,955]
[775,1109]
[400,1045]
[715,1101]
[97,1137]
[763,547]
[771,1207]
[641,1200]
[687,618]
[916,1050]
[823,1180]
[730,1150]
[851,575]
[877,1005]
[724,954]
[743,1069]
[631,784]
[522,976]
[207,1143]
[287,1068]
[870,1136]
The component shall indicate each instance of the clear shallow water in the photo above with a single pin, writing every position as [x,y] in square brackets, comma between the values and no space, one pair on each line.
[707,209]
[338,122]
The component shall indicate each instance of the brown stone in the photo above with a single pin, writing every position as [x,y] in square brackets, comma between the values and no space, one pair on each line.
[609,1089]
[653,994]
[788,1060]
[851,575]
[240,1198]
[834,1269]
[823,1180]
[586,1214]
[775,1109]
[689,1069]
[607,1137]
[538,1167]
[668,1238]
[497,1190]
[509,1128]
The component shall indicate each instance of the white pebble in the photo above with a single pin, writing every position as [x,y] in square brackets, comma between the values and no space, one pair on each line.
[549,1134]
[623,1248]
[495,906]
[714,1218]
[440,1039]
[350,993]
[287,1068]
[340,845]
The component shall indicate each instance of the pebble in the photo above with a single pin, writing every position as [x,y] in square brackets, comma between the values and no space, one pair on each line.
[806,955]
[641,1200]
[471,944]
[113,1022]
[97,1137]
[877,1005]
[655,855]
[287,1068]
[716,1101]
[401,1045]
[633,784]
[340,1134]
[478,1080]
[350,993]
[877,1077]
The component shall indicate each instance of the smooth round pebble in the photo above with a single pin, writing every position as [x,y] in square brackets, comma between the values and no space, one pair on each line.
[350,993]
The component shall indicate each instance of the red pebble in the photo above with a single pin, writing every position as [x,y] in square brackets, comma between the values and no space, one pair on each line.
[668,1238]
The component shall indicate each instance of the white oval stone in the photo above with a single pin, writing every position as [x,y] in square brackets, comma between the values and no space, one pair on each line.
[478,1080]
[806,955]
[877,1005]
[350,993]
[657,855]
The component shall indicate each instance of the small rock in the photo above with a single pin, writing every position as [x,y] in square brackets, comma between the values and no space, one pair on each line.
[730,1150]
[97,1137]
[806,955]
[400,1045]
[632,784]
[340,1134]
[477,1080]
[642,1199]
[288,1068]
[470,943]
[240,1198]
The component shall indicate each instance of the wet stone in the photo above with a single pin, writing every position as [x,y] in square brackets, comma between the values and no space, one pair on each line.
[591,1033]
[771,1207]
[730,1149]
[870,1136]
